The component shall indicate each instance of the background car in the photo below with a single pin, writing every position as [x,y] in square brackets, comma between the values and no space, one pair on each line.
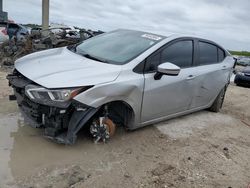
[3,32]
[245,61]
[8,30]
[17,30]
[242,78]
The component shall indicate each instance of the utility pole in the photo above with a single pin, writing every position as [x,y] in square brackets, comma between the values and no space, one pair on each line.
[45,14]
[3,15]
[1,5]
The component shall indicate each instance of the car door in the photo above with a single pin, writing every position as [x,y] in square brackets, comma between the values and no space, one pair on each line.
[170,94]
[211,76]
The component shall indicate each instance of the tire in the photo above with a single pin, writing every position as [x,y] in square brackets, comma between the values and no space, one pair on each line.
[217,105]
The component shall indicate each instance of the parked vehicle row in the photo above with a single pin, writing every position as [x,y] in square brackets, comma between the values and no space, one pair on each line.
[9,30]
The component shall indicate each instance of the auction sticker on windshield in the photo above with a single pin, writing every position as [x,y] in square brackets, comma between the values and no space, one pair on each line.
[152,37]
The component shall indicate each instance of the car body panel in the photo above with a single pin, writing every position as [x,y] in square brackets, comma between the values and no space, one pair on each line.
[209,81]
[127,88]
[169,95]
[61,68]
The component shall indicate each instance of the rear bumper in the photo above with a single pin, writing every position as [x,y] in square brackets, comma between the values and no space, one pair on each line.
[61,124]
[242,80]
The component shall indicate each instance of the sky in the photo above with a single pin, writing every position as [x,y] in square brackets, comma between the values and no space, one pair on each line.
[226,22]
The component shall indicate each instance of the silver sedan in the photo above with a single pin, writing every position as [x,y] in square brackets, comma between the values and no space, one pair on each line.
[120,78]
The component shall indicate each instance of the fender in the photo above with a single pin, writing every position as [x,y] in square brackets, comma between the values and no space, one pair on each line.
[129,91]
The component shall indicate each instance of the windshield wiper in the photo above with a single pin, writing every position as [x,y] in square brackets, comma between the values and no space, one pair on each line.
[93,57]
[72,47]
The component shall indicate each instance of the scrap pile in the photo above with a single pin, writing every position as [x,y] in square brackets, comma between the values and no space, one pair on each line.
[38,39]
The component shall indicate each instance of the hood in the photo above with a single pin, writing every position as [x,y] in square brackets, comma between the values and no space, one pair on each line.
[61,68]
[246,70]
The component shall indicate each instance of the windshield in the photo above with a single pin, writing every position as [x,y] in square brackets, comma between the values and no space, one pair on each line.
[117,47]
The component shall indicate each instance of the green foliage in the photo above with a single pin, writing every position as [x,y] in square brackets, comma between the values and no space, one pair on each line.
[240,53]
[31,25]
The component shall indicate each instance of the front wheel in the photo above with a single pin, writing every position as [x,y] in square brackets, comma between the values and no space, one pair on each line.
[217,105]
[102,129]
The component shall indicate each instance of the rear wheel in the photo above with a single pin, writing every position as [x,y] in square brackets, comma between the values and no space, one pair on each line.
[217,105]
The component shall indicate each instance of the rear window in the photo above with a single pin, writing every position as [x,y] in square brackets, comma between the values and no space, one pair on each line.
[208,53]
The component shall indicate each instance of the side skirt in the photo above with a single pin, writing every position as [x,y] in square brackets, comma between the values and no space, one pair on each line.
[172,116]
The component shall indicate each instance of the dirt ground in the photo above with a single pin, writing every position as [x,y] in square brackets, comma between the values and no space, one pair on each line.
[203,149]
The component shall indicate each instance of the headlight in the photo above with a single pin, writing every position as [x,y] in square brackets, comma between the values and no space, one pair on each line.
[55,95]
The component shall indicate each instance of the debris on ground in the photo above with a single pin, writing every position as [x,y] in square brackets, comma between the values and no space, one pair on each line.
[226,152]
[245,123]
[38,39]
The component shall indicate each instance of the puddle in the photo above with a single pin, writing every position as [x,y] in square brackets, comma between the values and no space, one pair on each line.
[24,151]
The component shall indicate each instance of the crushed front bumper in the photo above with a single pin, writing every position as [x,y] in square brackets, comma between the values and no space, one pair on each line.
[61,124]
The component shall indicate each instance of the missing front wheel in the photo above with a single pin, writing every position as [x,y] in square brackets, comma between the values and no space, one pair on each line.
[102,129]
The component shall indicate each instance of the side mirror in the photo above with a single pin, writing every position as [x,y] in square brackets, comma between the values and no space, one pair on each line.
[167,69]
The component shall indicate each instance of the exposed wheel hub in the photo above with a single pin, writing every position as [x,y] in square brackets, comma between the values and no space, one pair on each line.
[102,129]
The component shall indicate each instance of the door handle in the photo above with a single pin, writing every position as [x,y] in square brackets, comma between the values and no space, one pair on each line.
[190,77]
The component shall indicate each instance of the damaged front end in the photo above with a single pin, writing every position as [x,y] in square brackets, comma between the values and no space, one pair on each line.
[55,110]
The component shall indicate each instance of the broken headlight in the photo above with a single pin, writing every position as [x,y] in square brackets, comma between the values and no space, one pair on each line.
[56,95]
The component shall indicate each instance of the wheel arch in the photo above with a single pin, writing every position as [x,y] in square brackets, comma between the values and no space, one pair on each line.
[120,112]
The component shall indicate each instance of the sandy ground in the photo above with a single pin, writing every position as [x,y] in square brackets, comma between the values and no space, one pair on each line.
[203,149]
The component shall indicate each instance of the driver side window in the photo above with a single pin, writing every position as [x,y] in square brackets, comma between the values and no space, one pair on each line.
[179,53]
